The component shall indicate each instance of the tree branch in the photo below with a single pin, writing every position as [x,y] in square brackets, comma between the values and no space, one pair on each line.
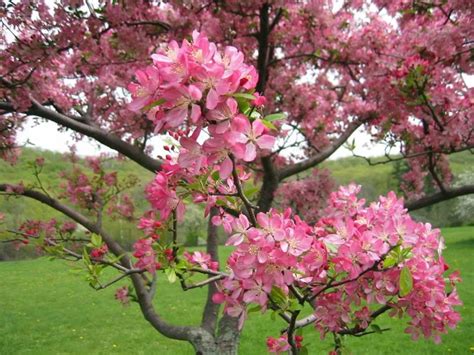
[118,278]
[211,309]
[240,191]
[108,139]
[322,155]
[270,179]
[439,197]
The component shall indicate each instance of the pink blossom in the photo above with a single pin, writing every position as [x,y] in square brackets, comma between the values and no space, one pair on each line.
[121,294]
[251,136]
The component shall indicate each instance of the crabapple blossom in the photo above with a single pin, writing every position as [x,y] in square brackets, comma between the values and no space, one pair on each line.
[341,262]
[122,295]
[146,256]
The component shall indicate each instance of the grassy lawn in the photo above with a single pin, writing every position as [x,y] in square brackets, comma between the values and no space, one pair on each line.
[44,309]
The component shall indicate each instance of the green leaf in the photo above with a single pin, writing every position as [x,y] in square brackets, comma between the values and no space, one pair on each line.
[244,106]
[171,275]
[303,351]
[406,281]
[250,190]
[243,95]
[96,240]
[390,260]
[254,309]
[332,247]
[85,257]
[269,125]
[275,117]
[279,297]
[154,104]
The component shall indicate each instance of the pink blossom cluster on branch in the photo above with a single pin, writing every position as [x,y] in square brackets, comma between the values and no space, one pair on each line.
[194,90]
[44,231]
[352,260]
[349,263]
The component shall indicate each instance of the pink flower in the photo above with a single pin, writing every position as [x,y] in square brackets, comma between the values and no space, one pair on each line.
[256,291]
[145,91]
[279,345]
[202,259]
[98,253]
[259,100]
[296,242]
[163,198]
[222,116]
[121,295]
[240,226]
[146,255]
[191,155]
[250,136]
[183,101]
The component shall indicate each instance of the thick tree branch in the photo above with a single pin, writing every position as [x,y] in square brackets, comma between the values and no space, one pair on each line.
[322,155]
[108,139]
[270,179]
[439,197]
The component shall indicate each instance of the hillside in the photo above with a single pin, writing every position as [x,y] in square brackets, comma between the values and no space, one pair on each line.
[375,180]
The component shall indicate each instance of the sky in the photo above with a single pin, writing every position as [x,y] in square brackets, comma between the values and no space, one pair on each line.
[45,135]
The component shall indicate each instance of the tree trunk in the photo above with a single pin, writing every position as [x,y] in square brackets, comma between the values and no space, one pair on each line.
[226,342]
[228,335]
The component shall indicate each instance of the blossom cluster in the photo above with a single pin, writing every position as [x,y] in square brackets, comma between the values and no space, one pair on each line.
[96,188]
[122,295]
[49,230]
[203,97]
[355,259]
[307,197]
[98,253]
[202,260]
[8,150]
[146,255]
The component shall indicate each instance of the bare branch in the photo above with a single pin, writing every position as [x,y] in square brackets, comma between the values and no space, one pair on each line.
[126,274]
[321,156]
[439,197]
[107,138]
[403,156]
[211,309]
[240,191]
[203,283]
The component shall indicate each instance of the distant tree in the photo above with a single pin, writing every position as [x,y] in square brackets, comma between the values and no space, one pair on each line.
[465,204]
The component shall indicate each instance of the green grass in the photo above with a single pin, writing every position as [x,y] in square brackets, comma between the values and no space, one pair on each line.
[44,309]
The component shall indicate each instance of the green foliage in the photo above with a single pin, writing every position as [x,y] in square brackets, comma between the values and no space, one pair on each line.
[406,281]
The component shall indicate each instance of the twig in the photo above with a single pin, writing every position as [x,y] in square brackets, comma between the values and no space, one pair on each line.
[124,275]
[247,203]
[291,330]
[203,283]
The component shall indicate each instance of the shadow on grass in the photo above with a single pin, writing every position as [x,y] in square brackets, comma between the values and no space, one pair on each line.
[461,244]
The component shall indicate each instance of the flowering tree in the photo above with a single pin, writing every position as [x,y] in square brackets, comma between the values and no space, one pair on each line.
[234,85]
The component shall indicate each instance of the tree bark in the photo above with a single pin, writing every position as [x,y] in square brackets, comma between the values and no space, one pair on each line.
[211,309]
